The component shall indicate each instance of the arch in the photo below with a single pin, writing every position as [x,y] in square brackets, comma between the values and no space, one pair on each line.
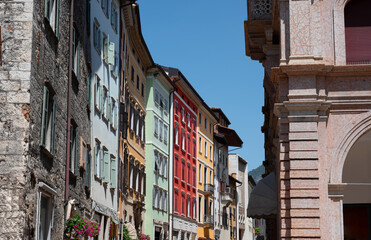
[346,140]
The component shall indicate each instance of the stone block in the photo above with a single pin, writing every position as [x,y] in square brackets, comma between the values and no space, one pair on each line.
[304,183]
[300,223]
[303,145]
[300,213]
[303,135]
[303,127]
[304,164]
[18,97]
[307,154]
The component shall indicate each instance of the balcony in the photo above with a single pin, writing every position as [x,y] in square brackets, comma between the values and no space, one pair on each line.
[209,189]
[260,9]
[227,196]
[209,220]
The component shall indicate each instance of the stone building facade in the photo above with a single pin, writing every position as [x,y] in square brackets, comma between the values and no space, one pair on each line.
[34,70]
[317,113]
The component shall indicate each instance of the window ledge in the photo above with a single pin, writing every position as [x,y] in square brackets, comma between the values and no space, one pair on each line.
[46,152]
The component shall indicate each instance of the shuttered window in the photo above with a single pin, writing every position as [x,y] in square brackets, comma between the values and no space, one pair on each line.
[51,13]
[113,177]
[48,121]
[75,53]
[106,166]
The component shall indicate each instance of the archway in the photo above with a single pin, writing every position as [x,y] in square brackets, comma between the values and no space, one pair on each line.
[357,193]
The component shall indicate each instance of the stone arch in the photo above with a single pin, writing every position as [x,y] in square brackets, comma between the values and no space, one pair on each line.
[350,134]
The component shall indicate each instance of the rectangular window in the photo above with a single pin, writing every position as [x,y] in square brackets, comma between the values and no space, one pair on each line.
[161,129]
[183,203]
[115,66]
[183,140]
[104,4]
[194,208]
[113,16]
[48,121]
[200,145]
[200,173]
[106,165]
[105,47]
[45,214]
[87,176]
[176,107]
[165,134]
[166,110]
[105,108]
[176,167]
[200,209]
[97,36]
[189,173]
[75,53]
[132,74]
[188,143]
[97,159]
[157,97]
[176,134]
[200,119]
[194,176]
[113,174]
[211,177]
[51,13]
[211,152]
[156,126]
[176,200]
[189,206]
[210,128]
[138,82]
[97,93]
[205,149]
[194,124]
[74,144]
[183,170]
[205,123]
[189,120]
[157,162]
[182,114]
[205,175]
[142,89]
[194,148]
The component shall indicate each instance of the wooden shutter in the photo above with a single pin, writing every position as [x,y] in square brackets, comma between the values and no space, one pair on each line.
[101,98]
[46,9]
[144,183]
[111,53]
[88,168]
[113,172]
[52,149]
[44,118]
[77,151]
[71,145]
[106,168]
[57,5]
[101,162]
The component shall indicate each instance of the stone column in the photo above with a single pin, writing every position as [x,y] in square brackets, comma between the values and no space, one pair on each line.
[299,178]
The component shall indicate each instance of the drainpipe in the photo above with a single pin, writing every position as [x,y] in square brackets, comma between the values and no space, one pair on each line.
[170,172]
[69,106]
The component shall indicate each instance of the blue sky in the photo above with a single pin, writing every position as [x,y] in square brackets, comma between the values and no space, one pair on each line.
[205,40]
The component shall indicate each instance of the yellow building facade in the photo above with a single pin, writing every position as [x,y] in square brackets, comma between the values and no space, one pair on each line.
[205,173]
[136,60]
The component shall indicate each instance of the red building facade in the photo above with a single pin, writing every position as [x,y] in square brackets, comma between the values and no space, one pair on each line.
[185,158]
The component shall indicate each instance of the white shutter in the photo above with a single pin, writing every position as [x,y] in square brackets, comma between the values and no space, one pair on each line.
[111,53]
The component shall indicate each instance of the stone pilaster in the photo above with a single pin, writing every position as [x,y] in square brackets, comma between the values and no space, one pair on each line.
[299,178]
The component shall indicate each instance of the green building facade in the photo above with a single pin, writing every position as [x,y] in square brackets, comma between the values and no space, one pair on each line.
[157,149]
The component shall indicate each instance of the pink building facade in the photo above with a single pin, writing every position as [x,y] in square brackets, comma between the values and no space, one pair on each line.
[316,55]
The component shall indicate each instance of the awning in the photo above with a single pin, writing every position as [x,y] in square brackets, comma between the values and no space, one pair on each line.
[230,136]
[263,198]
[132,232]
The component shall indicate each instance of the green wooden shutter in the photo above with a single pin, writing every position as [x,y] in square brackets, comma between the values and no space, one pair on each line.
[106,169]
[52,149]
[46,9]
[101,163]
[113,173]
[77,152]
[109,109]
[44,116]
[111,53]
[115,116]
[101,98]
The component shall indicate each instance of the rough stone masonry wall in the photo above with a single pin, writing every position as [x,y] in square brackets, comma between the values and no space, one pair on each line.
[15,69]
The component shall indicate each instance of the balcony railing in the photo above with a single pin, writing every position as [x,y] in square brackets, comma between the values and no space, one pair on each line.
[209,189]
[227,195]
[359,62]
[260,10]
[209,220]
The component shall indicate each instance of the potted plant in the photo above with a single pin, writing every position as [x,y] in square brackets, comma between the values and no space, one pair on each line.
[142,236]
[78,226]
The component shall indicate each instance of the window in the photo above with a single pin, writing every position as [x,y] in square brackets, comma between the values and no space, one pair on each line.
[156,126]
[45,214]
[165,134]
[74,161]
[113,115]
[138,82]
[183,170]
[51,13]
[113,173]
[166,110]
[189,120]
[194,176]
[194,208]
[176,134]
[211,152]
[105,109]
[189,172]
[176,107]
[211,177]
[48,121]
[194,124]
[205,123]
[210,128]
[183,203]
[176,167]
[132,74]
[183,139]
[137,122]
[189,206]
[132,116]
[200,173]
[157,162]
[113,16]
[165,167]
[200,119]
[104,4]
[154,192]
[157,97]
[205,175]
[161,129]
[189,143]
[97,36]
[199,208]
[97,157]
[97,93]
[142,89]
[176,200]
[75,53]
[105,170]
[105,47]
[200,145]
[182,114]
[205,149]
[115,66]
[194,148]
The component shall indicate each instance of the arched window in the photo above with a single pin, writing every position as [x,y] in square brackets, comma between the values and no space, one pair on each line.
[358,32]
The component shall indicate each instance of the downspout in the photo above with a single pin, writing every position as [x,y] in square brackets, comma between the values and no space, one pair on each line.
[120,162]
[171,151]
[69,106]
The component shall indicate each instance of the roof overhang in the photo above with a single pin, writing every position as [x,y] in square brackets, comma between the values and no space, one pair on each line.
[230,136]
